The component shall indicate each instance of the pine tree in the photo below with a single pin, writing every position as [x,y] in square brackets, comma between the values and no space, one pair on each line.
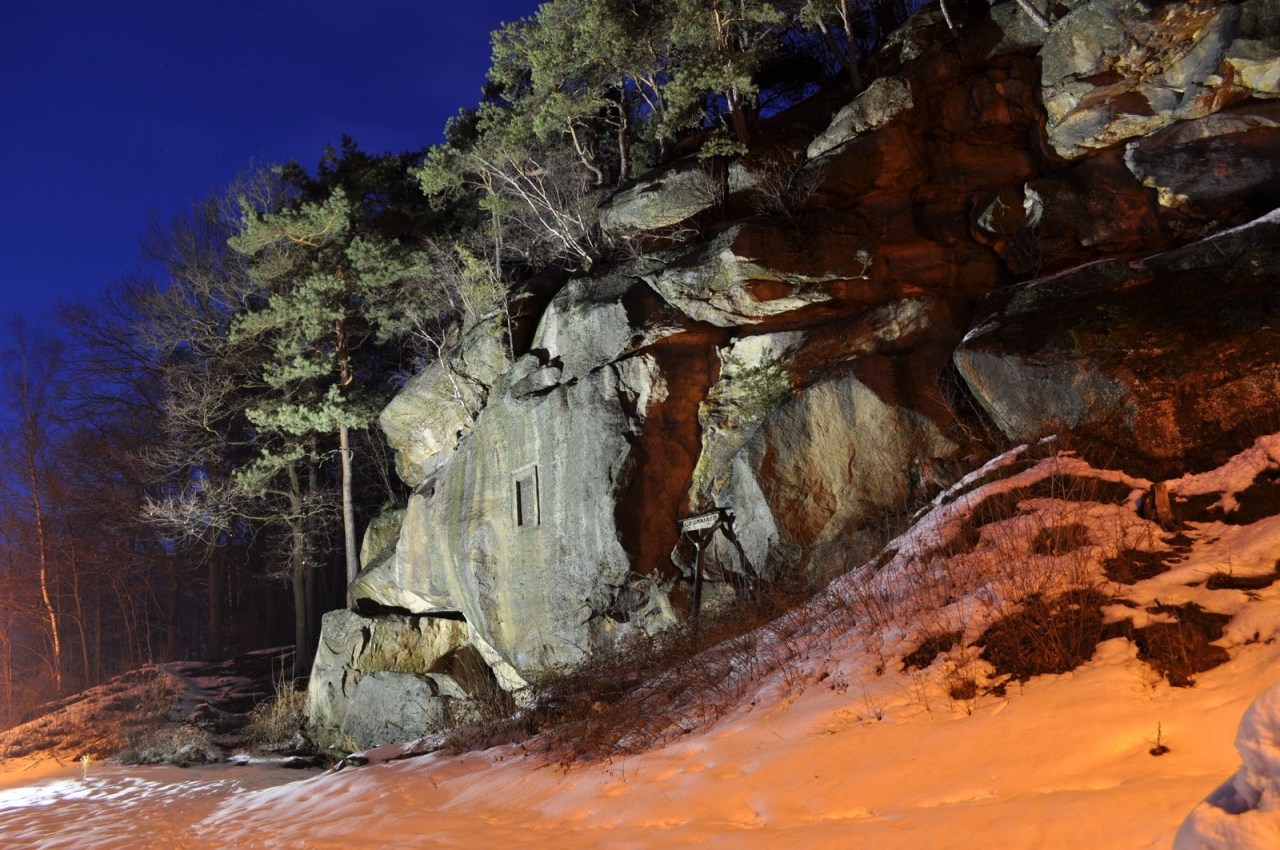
[335,285]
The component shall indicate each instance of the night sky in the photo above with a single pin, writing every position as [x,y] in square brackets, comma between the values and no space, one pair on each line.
[112,113]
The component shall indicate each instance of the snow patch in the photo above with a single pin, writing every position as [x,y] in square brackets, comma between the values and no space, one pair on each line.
[1244,812]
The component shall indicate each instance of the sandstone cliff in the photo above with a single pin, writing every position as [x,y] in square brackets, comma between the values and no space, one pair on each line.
[1027,229]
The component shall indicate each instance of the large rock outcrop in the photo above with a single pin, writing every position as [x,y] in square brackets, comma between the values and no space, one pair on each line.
[1173,357]
[521,532]
[1114,70]
[1035,222]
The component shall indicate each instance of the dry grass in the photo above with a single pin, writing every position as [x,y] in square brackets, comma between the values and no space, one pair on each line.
[649,692]
[280,721]
[98,722]
[182,745]
[1046,636]
[1008,583]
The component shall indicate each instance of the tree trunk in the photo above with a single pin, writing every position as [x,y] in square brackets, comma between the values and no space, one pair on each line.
[624,140]
[298,577]
[42,551]
[171,612]
[348,512]
[217,592]
[97,626]
[86,659]
[6,640]
[851,45]
[738,117]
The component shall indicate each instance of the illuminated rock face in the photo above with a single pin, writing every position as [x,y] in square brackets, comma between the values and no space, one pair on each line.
[1006,218]
[1171,358]
[1114,70]
[354,647]
[426,419]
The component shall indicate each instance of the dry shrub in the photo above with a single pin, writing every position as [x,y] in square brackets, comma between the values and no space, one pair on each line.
[1181,649]
[645,693]
[280,721]
[962,688]
[1258,501]
[784,183]
[181,745]
[487,705]
[1046,635]
[1131,566]
[1225,580]
[1060,539]
[929,649]
[1017,561]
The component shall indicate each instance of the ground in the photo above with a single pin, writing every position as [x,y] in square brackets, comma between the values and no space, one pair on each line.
[832,743]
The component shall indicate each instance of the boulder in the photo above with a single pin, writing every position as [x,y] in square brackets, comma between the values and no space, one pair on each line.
[718,285]
[760,373]
[438,405]
[767,275]
[662,199]
[1083,42]
[882,101]
[1170,359]
[1016,30]
[1215,166]
[885,162]
[523,531]
[824,464]
[596,321]
[532,375]
[352,647]
[1253,58]
[388,708]
[1113,70]
[381,535]
[917,36]
[1039,397]
[755,378]
[1096,209]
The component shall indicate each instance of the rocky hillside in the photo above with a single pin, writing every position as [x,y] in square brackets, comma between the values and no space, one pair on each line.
[1009,233]
[184,712]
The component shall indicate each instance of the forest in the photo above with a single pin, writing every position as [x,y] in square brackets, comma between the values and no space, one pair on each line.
[193,455]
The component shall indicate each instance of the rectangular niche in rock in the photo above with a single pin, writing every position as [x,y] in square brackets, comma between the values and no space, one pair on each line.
[526,492]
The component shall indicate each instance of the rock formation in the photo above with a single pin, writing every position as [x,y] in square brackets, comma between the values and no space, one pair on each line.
[1038,222]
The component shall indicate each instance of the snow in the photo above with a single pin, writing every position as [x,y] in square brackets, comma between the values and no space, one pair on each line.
[1244,812]
[49,805]
[832,744]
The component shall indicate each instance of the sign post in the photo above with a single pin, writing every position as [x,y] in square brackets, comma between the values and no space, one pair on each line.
[700,528]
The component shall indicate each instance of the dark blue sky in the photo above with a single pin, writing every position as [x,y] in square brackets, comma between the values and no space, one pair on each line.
[113,112]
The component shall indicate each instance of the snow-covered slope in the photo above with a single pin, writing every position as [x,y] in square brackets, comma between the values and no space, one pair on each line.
[835,743]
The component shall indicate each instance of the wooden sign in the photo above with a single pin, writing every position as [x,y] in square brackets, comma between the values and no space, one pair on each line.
[699,522]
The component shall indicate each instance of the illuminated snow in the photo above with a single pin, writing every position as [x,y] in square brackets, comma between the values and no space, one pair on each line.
[833,751]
